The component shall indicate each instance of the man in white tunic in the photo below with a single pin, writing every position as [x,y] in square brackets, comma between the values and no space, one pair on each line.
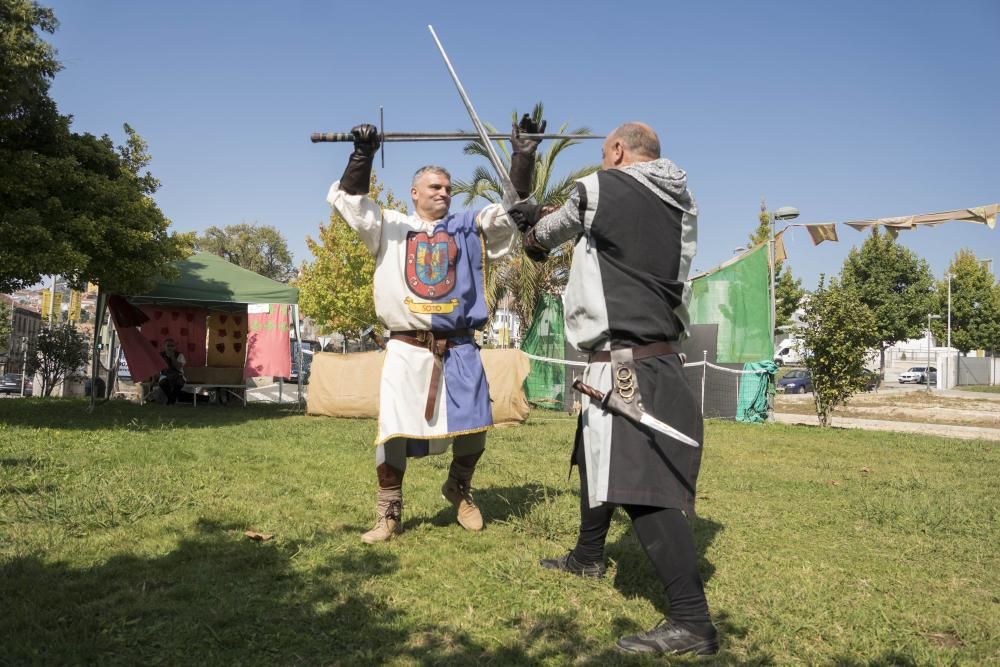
[429,273]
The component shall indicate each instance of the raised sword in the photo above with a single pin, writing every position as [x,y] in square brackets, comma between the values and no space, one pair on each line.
[509,193]
[321,137]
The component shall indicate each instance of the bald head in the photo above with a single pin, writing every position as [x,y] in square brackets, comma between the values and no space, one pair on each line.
[630,143]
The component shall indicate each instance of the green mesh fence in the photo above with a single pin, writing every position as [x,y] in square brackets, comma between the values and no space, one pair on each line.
[735,297]
[545,386]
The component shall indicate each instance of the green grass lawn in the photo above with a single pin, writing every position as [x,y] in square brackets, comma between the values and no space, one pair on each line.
[122,542]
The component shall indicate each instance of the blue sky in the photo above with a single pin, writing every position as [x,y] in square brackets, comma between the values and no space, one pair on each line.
[845,110]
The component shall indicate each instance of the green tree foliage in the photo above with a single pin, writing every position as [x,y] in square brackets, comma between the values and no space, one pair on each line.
[57,354]
[336,288]
[6,311]
[975,310]
[27,65]
[996,302]
[788,293]
[70,204]
[839,328]
[764,222]
[894,283]
[258,248]
[515,275]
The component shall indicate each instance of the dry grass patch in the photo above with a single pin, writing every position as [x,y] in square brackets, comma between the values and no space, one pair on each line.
[907,406]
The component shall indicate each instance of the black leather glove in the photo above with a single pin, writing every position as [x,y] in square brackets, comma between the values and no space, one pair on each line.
[357,176]
[535,251]
[525,215]
[522,158]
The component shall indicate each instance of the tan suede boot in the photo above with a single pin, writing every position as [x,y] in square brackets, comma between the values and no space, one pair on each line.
[390,517]
[459,494]
[457,490]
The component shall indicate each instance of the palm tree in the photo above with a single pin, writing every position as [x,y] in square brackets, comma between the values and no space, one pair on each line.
[516,276]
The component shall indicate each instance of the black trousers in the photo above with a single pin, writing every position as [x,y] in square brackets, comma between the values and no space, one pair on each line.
[171,386]
[666,537]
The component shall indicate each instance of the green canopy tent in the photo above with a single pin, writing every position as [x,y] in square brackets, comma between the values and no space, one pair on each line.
[208,281]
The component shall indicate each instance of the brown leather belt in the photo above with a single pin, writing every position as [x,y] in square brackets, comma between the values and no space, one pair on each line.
[437,342]
[658,349]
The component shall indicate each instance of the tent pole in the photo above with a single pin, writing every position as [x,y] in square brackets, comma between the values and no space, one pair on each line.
[114,351]
[704,371]
[95,359]
[298,338]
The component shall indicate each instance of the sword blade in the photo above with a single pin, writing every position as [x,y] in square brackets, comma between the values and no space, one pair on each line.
[509,194]
[666,429]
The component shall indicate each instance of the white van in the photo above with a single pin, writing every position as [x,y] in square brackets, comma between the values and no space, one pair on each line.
[789,352]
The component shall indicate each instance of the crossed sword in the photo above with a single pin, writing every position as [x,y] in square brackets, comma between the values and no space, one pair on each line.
[607,401]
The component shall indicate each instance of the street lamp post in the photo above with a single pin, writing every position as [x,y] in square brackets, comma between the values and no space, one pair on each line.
[927,370]
[948,276]
[24,362]
[783,213]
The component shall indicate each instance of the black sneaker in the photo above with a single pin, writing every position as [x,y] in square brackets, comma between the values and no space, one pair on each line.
[569,563]
[669,639]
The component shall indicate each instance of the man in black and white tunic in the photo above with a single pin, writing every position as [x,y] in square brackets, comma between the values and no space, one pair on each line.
[625,303]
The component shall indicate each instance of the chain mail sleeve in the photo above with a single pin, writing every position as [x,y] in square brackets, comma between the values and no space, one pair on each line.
[567,222]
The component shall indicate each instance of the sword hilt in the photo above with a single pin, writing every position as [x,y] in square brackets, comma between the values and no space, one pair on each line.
[317,137]
[586,389]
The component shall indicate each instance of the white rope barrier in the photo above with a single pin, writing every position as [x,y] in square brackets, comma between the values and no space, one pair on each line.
[709,364]
[564,362]
[692,364]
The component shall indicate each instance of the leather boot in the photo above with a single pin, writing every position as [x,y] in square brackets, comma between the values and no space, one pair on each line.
[388,506]
[668,638]
[389,521]
[457,490]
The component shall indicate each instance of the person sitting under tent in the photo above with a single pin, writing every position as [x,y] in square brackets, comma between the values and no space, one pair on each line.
[171,379]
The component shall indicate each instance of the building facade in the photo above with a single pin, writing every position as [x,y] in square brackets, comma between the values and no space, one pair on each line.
[25,326]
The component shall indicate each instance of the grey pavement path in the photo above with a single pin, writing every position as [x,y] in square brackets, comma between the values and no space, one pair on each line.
[270,393]
[944,430]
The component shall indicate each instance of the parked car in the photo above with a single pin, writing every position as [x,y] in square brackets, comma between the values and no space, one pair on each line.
[10,383]
[871,380]
[293,377]
[796,382]
[918,374]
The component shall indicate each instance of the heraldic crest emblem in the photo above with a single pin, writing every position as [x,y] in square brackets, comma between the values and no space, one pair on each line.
[430,263]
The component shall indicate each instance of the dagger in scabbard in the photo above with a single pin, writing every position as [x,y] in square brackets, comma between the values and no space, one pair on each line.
[635,414]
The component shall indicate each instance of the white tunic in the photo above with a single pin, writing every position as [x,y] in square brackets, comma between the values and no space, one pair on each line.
[424,297]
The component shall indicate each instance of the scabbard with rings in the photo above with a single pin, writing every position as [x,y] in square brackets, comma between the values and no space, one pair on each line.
[625,400]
